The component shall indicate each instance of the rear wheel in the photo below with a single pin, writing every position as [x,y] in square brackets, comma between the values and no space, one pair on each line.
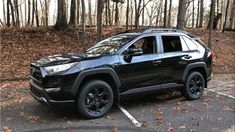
[95,99]
[194,86]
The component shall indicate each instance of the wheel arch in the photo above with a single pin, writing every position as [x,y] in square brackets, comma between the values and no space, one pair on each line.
[107,75]
[197,66]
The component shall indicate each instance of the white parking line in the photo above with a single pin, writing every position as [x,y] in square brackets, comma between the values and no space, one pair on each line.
[220,93]
[129,116]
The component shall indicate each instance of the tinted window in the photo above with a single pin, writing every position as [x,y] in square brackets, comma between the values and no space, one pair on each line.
[147,44]
[190,43]
[171,43]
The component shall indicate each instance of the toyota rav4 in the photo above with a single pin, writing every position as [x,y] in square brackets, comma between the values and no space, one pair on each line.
[129,62]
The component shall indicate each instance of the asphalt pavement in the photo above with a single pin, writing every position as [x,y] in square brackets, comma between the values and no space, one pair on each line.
[155,112]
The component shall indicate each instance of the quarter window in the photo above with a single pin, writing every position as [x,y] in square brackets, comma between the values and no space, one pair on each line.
[190,43]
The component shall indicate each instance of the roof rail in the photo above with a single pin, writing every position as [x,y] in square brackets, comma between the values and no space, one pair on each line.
[164,30]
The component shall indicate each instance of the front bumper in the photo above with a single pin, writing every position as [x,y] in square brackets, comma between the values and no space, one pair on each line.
[43,97]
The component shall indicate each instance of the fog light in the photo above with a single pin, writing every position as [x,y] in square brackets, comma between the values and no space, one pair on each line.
[50,90]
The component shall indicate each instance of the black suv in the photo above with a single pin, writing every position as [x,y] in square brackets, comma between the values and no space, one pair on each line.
[129,62]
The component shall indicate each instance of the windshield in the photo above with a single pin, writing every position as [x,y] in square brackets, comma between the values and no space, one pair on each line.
[110,45]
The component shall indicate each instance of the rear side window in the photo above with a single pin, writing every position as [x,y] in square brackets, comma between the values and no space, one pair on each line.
[190,43]
[171,43]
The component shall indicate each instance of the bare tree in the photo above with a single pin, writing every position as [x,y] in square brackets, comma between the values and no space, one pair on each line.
[226,15]
[83,21]
[89,13]
[165,14]
[127,14]
[211,22]
[16,9]
[100,6]
[201,13]
[72,13]
[193,14]
[61,21]
[29,10]
[10,6]
[4,12]
[169,14]
[143,13]
[181,14]
[232,13]
[33,13]
[36,13]
[78,11]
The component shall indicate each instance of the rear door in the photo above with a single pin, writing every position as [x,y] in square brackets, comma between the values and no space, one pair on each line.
[175,56]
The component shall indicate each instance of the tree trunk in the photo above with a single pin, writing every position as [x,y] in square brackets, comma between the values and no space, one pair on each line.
[72,13]
[83,21]
[193,18]
[137,13]
[169,14]
[116,14]
[201,13]
[8,14]
[12,12]
[16,9]
[226,15]
[127,14]
[232,12]
[165,14]
[131,21]
[47,3]
[33,10]
[198,11]
[4,12]
[109,13]
[143,13]
[61,21]
[89,13]
[211,22]
[36,14]
[29,10]
[78,11]
[181,14]
[99,20]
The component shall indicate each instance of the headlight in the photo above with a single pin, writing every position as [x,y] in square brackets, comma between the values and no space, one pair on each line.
[59,68]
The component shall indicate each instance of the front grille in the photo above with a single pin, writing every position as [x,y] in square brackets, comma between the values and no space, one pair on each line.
[36,74]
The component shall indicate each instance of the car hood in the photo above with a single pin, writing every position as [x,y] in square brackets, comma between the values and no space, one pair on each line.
[63,59]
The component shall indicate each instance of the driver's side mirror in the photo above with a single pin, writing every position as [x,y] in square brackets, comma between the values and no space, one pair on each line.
[132,52]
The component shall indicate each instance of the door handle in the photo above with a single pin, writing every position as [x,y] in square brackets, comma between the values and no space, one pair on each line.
[156,62]
[186,57]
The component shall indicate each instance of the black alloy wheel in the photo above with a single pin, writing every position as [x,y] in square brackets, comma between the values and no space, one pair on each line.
[194,86]
[95,99]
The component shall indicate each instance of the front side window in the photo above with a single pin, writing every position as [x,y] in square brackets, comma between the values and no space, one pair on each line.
[147,44]
[110,45]
[171,43]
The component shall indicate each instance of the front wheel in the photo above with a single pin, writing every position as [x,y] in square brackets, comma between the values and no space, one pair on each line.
[95,99]
[194,86]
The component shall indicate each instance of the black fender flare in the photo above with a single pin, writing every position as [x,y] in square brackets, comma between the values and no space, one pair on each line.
[105,70]
[194,65]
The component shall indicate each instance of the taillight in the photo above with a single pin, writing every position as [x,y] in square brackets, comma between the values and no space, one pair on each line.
[211,53]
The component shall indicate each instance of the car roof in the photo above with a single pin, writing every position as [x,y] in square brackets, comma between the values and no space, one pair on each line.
[153,31]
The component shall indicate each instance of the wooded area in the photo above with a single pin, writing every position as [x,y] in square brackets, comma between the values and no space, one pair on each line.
[128,13]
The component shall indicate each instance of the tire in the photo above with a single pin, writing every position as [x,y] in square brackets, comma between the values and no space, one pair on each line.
[95,99]
[194,86]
